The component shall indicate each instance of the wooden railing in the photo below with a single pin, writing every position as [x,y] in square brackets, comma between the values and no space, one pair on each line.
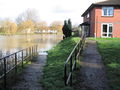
[11,62]
[70,64]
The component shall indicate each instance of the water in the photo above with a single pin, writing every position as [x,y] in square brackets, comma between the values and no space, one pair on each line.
[11,44]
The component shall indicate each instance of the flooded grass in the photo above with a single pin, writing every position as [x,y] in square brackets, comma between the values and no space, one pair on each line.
[110,51]
[53,78]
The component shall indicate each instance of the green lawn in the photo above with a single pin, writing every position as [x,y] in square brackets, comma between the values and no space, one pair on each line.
[110,51]
[54,69]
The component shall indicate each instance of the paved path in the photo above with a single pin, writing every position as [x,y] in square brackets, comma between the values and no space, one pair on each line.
[29,80]
[92,73]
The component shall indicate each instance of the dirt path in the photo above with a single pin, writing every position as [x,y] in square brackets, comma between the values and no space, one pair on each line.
[92,73]
[29,80]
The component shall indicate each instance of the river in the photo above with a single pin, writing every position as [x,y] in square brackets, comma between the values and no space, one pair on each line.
[11,44]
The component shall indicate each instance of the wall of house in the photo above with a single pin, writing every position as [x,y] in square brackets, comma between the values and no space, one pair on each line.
[115,20]
[85,19]
[92,22]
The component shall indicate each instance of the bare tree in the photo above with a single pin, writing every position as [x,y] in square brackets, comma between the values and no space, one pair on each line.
[30,14]
[26,26]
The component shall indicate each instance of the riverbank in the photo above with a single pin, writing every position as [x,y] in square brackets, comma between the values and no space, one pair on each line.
[14,43]
[59,33]
[53,70]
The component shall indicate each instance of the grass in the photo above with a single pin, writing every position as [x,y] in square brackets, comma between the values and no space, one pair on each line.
[1,33]
[110,51]
[54,69]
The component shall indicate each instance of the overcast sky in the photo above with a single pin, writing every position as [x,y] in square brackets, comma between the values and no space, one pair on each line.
[49,10]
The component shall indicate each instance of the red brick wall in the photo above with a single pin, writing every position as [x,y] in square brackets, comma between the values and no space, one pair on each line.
[96,19]
[115,20]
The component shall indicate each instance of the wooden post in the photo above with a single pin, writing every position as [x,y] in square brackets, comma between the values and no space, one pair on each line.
[26,52]
[71,71]
[5,73]
[22,58]
[75,57]
[65,75]
[15,63]
[36,48]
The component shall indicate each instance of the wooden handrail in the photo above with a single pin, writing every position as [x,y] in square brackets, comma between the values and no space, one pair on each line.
[74,53]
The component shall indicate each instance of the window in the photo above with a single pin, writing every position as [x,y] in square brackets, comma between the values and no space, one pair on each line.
[88,15]
[107,11]
[107,30]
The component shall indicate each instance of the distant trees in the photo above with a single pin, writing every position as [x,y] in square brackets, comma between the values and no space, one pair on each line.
[56,25]
[64,29]
[30,17]
[28,22]
[26,26]
[8,27]
[76,30]
[67,29]
[42,25]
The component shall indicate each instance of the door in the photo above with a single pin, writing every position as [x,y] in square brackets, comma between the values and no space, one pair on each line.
[107,30]
[87,30]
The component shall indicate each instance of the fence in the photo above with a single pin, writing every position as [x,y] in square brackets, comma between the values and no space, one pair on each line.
[11,62]
[70,64]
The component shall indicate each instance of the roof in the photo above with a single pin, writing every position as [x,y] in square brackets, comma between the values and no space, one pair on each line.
[109,2]
[85,24]
[102,3]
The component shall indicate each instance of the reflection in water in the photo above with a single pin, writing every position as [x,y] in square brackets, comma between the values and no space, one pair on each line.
[11,44]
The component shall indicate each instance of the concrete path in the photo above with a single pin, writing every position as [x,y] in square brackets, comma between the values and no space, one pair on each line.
[29,80]
[92,73]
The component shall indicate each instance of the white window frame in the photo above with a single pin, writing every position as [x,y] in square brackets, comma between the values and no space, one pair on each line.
[108,25]
[112,8]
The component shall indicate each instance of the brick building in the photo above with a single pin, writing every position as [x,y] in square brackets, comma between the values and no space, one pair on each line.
[102,19]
